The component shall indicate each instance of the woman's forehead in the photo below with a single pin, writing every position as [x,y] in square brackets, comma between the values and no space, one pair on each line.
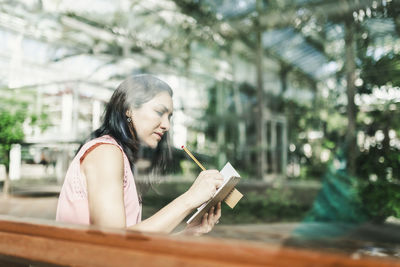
[162,99]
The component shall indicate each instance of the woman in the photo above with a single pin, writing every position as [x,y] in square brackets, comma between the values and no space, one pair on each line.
[99,186]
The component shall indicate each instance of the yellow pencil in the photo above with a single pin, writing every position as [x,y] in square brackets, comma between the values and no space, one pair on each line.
[193,158]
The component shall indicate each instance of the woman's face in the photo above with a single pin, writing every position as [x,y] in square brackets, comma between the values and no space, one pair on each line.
[152,119]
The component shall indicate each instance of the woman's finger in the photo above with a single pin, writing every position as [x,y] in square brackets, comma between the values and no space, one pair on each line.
[201,227]
[204,220]
[218,211]
[211,217]
[218,179]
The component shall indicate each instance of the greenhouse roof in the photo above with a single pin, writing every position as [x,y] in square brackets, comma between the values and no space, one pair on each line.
[153,28]
[284,41]
[294,49]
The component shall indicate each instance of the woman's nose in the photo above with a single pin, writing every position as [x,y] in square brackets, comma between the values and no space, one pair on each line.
[165,123]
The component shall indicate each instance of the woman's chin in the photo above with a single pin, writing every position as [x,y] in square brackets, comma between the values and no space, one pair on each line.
[152,145]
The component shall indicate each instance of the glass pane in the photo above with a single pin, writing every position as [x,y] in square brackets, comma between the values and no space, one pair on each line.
[301,97]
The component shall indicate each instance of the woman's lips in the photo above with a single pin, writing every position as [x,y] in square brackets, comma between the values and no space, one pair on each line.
[159,135]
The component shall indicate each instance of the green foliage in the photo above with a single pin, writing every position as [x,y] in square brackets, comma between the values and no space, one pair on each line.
[10,131]
[381,199]
[274,205]
[41,120]
[11,127]
[378,164]
[269,205]
[13,113]
[378,158]
[380,72]
[303,119]
[379,171]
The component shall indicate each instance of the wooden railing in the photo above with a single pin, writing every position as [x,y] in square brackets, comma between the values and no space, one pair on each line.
[46,243]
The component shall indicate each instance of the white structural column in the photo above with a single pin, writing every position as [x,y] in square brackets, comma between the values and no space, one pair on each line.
[284,148]
[15,162]
[75,111]
[273,146]
[60,167]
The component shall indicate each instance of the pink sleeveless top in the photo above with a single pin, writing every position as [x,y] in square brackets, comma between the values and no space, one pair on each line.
[73,204]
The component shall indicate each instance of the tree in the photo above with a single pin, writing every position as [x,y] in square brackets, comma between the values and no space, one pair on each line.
[378,165]
[13,114]
[11,132]
[350,68]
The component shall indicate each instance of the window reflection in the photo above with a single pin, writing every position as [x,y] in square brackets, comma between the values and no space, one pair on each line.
[301,97]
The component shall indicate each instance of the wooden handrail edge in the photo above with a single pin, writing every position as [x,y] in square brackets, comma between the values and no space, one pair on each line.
[204,248]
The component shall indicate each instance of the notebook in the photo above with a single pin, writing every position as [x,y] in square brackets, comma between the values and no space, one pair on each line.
[231,178]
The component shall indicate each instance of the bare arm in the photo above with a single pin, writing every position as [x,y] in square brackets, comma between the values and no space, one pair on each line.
[166,219]
[104,170]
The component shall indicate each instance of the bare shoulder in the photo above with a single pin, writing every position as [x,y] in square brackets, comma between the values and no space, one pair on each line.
[105,158]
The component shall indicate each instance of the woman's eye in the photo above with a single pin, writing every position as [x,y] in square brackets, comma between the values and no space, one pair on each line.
[160,113]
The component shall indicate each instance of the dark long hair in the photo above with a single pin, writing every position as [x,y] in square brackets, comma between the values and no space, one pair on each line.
[132,93]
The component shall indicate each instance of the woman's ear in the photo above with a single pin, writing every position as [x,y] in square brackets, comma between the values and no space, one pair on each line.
[128,113]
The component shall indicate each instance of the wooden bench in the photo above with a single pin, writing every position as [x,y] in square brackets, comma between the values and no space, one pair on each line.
[46,243]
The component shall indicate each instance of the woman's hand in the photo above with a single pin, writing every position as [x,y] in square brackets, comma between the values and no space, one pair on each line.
[204,187]
[207,223]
